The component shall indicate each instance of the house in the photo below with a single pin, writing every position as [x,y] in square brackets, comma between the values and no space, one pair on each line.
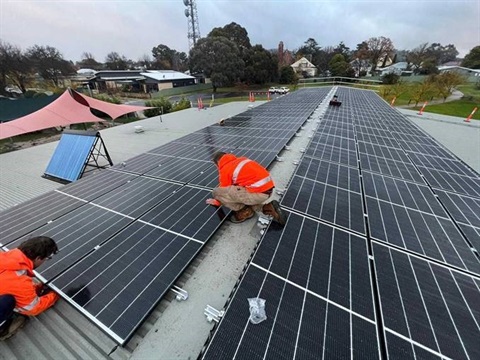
[139,80]
[399,68]
[459,69]
[156,80]
[304,68]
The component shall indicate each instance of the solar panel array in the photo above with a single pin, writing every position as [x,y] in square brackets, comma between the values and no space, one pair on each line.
[125,234]
[379,257]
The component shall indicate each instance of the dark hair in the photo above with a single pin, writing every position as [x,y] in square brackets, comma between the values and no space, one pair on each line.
[38,246]
[217,156]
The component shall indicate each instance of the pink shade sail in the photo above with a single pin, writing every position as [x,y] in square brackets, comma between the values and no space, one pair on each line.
[66,110]
[112,110]
[63,111]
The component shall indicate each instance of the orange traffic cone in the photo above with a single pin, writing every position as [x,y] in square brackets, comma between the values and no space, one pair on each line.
[470,116]
[423,107]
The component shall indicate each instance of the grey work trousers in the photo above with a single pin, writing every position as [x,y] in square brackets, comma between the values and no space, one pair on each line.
[236,197]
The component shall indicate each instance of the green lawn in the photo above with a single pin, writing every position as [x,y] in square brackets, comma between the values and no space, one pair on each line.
[460,108]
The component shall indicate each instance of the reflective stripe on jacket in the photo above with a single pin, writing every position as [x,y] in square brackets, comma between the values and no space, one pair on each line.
[244,172]
[16,278]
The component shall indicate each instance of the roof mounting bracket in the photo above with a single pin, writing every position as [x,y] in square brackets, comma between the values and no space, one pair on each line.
[213,314]
[181,294]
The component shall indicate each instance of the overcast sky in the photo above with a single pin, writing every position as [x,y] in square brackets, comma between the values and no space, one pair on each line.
[133,28]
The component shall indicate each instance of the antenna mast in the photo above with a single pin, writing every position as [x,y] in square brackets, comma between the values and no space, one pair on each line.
[193,28]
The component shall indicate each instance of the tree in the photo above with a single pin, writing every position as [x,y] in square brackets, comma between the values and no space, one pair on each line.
[472,59]
[421,91]
[261,66]
[287,75]
[428,67]
[417,56]
[114,61]
[169,59]
[309,49]
[235,33]
[88,61]
[145,62]
[49,63]
[15,68]
[446,82]
[343,50]
[322,59]
[440,54]
[378,49]
[339,67]
[219,59]
[361,57]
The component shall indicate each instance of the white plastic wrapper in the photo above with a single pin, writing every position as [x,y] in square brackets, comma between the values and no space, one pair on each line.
[257,310]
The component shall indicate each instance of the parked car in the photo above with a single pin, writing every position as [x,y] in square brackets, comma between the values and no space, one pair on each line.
[273,90]
[283,90]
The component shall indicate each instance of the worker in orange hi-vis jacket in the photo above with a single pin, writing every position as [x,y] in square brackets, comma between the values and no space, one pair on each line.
[245,187]
[20,294]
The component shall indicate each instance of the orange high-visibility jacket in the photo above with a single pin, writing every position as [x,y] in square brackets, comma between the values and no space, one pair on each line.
[244,172]
[16,278]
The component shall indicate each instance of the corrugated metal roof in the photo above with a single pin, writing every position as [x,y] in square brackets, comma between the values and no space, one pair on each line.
[62,332]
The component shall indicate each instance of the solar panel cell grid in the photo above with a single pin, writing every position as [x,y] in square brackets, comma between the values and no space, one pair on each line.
[425,149]
[76,234]
[137,196]
[425,234]
[189,151]
[97,184]
[442,180]
[398,169]
[383,151]
[410,195]
[326,202]
[120,281]
[385,141]
[186,213]
[33,214]
[431,305]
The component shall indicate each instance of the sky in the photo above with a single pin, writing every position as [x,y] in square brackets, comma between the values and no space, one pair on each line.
[133,28]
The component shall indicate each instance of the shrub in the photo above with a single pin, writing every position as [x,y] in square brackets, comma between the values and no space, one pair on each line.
[390,78]
[161,106]
[110,99]
[182,104]
[29,94]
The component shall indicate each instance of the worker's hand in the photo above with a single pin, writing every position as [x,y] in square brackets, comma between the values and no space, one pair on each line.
[213,202]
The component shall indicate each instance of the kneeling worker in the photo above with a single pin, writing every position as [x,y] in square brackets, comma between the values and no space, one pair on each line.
[245,186]
[19,293]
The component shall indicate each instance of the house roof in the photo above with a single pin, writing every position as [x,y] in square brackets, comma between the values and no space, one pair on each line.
[304,63]
[454,67]
[61,332]
[166,75]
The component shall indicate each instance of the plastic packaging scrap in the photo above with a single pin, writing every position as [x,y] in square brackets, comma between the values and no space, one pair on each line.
[257,310]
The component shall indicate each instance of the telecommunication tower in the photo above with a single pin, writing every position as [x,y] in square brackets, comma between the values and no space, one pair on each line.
[193,28]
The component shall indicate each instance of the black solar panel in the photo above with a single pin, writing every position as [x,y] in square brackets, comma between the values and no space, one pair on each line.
[126,234]
[428,305]
[413,208]
[121,282]
[319,298]
[33,214]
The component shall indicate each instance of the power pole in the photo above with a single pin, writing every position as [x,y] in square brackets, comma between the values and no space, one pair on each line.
[193,28]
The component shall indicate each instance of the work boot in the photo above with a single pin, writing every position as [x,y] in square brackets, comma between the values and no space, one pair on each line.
[273,209]
[17,323]
[242,215]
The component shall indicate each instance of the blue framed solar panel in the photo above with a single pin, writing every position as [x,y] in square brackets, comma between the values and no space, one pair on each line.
[71,155]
